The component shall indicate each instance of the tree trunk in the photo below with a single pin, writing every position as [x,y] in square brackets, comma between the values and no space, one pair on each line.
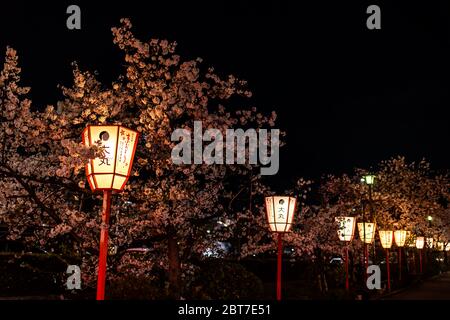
[174,267]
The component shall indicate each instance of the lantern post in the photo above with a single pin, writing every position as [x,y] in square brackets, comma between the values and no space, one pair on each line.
[420,242]
[367,235]
[386,243]
[369,180]
[400,239]
[346,233]
[108,173]
[280,215]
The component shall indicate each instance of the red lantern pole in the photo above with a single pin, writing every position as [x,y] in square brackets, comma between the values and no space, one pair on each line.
[103,245]
[346,268]
[400,263]
[366,260]
[420,259]
[280,255]
[388,271]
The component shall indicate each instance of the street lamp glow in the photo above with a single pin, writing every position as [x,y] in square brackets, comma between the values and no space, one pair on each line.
[400,237]
[430,218]
[386,238]
[366,231]
[369,179]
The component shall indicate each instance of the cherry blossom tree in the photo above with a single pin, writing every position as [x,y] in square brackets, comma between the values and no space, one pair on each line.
[168,207]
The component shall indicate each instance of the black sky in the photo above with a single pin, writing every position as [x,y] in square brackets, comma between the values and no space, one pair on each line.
[346,95]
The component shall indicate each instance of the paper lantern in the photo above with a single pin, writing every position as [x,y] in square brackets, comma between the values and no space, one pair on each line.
[386,238]
[430,243]
[400,237]
[369,228]
[447,247]
[280,213]
[112,171]
[420,242]
[346,229]
[440,246]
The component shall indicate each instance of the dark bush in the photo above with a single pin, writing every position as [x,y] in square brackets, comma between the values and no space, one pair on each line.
[134,288]
[219,280]
[30,274]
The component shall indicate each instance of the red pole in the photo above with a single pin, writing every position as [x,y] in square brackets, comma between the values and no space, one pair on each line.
[400,263]
[280,254]
[366,260]
[388,271]
[420,259]
[346,268]
[103,245]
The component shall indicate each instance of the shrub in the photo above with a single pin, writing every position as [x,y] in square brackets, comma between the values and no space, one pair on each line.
[221,280]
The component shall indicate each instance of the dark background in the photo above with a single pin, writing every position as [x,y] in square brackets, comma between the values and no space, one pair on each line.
[347,96]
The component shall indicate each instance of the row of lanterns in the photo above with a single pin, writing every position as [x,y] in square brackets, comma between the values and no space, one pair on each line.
[112,171]
[366,232]
[280,214]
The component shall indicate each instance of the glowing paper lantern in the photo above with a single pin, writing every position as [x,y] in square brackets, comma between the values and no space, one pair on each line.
[112,171]
[430,243]
[440,246]
[447,247]
[386,238]
[280,213]
[400,237]
[346,229]
[369,229]
[420,242]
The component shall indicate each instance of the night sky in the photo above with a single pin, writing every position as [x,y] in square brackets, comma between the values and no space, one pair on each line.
[347,96]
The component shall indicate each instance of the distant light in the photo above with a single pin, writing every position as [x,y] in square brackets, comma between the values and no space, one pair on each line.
[430,218]
[420,242]
[138,250]
[386,237]
[208,231]
[225,224]
[369,179]
[430,243]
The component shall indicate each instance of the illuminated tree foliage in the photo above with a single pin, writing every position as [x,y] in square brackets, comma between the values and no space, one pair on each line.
[178,212]
[45,199]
